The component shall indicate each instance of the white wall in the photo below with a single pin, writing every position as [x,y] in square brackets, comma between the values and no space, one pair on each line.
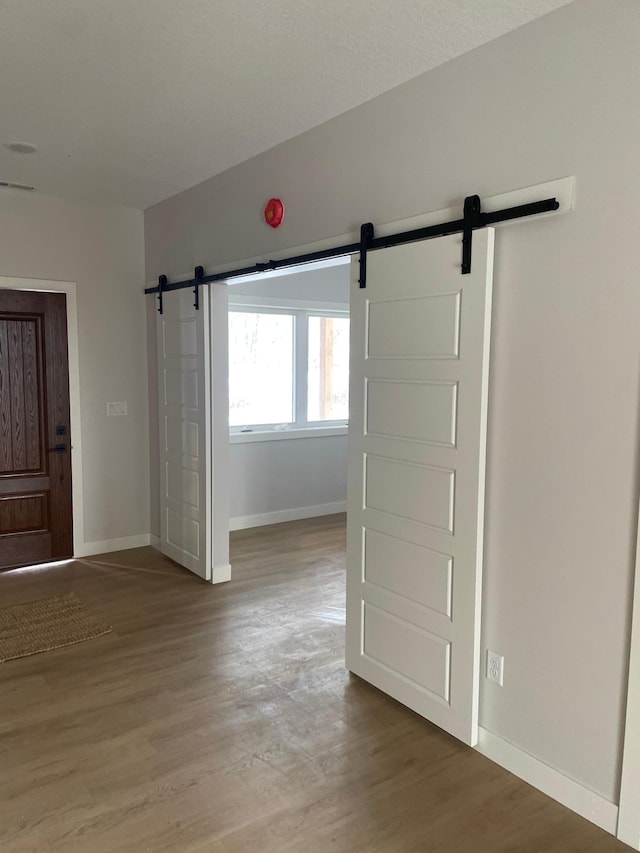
[101,249]
[292,477]
[548,100]
[274,481]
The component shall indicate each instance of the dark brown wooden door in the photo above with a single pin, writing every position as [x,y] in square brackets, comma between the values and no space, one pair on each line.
[36,522]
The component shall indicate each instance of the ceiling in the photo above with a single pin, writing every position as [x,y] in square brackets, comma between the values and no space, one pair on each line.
[132,101]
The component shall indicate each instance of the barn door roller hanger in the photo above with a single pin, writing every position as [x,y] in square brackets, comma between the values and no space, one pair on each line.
[473,218]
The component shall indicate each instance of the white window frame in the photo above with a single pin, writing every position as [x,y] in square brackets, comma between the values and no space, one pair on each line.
[300,310]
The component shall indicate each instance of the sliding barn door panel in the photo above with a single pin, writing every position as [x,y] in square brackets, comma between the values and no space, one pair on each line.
[417,443]
[194,431]
[184,412]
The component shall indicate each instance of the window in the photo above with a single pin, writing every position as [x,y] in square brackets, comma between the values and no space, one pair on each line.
[288,368]
[328,368]
[260,368]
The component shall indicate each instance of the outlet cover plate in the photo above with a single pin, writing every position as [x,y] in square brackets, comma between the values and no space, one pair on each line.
[495,667]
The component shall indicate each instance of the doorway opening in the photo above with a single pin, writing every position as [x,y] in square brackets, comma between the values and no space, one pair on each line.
[288,394]
[288,371]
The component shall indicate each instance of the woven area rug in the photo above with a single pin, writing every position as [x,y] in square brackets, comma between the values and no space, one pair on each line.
[50,623]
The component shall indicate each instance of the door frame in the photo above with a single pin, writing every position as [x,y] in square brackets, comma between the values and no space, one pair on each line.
[69,289]
[628,806]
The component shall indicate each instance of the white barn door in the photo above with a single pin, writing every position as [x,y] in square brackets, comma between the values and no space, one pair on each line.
[194,431]
[417,434]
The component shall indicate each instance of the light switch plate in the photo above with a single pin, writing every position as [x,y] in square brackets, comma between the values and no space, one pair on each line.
[116,409]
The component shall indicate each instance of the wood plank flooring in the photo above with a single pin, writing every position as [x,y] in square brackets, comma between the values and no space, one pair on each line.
[221,719]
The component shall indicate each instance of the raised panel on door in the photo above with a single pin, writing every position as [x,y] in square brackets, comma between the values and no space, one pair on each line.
[417,433]
[400,646]
[410,490]
[417,411]
[420,575]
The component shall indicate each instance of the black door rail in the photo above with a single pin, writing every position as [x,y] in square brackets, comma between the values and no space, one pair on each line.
[473,219]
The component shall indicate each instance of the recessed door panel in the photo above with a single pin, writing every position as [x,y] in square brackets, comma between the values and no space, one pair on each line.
[413,653]
[418,411]
[183,533]
[181,436]
[416,327]
[180,338]
[183,484]
[417,573]
[181,388]
[409,490]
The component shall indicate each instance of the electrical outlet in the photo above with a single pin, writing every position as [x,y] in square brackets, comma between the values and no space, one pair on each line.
[495,667]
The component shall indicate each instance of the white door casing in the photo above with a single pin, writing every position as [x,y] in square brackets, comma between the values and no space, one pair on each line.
[420,335]
[192,404]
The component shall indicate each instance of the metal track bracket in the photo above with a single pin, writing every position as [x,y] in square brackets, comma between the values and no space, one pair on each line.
[198,275]
[162,283]
[366,236]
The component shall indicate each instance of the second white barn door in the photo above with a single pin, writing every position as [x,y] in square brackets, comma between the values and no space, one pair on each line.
[417,436]
[185,431]
[194,431]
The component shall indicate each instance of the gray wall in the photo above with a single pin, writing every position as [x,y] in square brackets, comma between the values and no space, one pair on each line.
[327,284]
[293,474]
[101,249]
[548,100]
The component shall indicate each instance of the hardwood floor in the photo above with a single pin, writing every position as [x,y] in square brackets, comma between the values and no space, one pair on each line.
[221,719]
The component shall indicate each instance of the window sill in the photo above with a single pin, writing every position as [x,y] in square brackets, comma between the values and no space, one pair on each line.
[282,434]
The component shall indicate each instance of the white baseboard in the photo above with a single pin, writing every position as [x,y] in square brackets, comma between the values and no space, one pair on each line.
[556,785]
[154,541]
[104,546]
[242,522]
[221,574]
